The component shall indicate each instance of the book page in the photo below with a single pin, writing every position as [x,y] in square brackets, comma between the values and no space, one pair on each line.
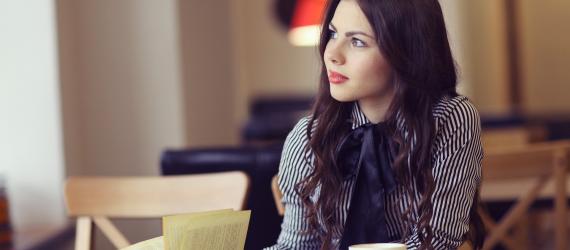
[206,231]
[152,244]
[173,222]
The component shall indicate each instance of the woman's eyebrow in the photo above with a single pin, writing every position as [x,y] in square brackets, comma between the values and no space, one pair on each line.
[352,33]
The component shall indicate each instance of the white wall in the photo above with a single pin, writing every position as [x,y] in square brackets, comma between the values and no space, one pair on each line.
[31,153]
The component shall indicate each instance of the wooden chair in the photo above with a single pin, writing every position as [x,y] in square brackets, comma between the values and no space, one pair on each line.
[507,137]
[277,196]
[512,136]
[97,199]
[534,166]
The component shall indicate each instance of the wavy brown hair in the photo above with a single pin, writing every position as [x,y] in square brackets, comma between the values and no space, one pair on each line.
[411,35]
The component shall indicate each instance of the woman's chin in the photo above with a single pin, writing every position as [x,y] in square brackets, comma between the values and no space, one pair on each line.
[341,98]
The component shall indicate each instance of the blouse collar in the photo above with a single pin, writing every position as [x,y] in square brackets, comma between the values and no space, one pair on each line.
[358,117]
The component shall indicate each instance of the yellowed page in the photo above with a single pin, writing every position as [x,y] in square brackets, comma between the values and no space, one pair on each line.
[173,223]
[152,244]
[214,231]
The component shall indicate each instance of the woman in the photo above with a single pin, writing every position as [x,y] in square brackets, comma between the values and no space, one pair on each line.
[391,152]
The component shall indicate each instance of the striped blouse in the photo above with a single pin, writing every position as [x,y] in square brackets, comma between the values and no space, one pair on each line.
[457,156]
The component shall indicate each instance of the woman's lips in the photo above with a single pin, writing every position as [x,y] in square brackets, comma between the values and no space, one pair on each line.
[337,78]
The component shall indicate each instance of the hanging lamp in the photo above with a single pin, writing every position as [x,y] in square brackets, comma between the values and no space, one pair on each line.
[305,25]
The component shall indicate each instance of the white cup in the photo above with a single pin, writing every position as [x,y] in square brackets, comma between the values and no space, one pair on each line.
[378,246]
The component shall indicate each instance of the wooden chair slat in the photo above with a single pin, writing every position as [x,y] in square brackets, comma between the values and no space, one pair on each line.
[111,232]
[83,233]
[513,214]
[152,197]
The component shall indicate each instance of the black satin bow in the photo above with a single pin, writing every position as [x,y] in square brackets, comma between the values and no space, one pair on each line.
[367,153]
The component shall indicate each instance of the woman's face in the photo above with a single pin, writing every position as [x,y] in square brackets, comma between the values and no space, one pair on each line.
[356,69]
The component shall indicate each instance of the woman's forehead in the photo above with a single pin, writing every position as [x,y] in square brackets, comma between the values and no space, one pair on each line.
[349,17]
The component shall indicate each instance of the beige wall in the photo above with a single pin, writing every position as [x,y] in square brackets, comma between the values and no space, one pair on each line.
[545,54]
[265,63]
[271,65]
[210,90]
[121,85]
[485,66]
[454,22]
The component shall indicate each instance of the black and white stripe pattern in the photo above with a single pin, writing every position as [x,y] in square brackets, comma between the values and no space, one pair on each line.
[457,156]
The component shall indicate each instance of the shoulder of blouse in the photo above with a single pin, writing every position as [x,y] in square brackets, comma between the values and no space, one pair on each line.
[300,128]
[294,164]
[296,142]
[454,112]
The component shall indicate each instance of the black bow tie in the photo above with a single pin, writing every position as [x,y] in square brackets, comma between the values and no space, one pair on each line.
[367,153]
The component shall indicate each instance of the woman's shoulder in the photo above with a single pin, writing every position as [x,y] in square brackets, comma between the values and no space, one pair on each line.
[297,139]
[296,159]
[456,111]
[448,105]
[300,128]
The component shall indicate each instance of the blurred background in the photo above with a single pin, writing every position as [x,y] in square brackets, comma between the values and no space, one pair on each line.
[106,87]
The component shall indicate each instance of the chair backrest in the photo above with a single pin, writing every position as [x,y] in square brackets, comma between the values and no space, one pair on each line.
[509,136]
[521,173]
[96,199]
[532,160]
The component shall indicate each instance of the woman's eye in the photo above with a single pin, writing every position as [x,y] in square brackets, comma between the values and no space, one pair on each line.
[358,43]
[332,34]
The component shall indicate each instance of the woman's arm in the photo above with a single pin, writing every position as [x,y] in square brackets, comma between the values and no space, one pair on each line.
[293,168]
[457,174]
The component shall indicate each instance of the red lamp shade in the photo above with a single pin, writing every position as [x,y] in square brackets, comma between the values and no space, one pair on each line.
[305,25]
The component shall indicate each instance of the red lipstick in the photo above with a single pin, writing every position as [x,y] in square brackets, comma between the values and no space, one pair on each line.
[337,78]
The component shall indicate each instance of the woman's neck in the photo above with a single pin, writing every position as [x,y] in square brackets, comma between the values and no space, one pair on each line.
[376,109]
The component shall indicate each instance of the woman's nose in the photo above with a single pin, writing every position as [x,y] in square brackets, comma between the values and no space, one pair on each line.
[334,55]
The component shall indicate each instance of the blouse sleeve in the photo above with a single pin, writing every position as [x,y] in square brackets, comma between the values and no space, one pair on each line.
[292,169]
[457,173]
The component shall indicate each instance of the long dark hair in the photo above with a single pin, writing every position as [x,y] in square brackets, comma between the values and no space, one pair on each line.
[411,35]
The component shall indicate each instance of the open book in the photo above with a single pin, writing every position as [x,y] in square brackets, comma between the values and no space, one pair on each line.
[220,229]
